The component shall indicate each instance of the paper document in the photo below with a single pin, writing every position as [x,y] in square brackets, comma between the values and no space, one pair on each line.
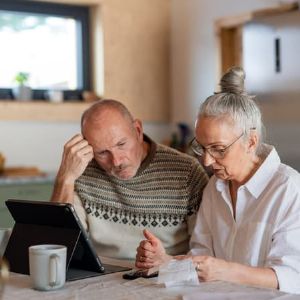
[178,272]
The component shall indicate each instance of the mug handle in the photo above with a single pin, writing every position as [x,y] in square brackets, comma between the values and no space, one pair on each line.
[53,270]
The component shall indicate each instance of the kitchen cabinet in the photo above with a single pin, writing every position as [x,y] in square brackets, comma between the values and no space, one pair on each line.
[25,189]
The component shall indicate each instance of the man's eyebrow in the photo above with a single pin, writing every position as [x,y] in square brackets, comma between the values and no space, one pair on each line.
[100,151]
[122,140]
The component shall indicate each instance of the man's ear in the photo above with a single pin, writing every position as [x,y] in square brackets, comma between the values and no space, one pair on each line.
[139,128]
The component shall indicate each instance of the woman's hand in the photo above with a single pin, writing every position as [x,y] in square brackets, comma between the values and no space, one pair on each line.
[150,252]
[210,268]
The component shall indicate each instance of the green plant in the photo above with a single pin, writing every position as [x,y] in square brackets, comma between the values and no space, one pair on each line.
[21,78]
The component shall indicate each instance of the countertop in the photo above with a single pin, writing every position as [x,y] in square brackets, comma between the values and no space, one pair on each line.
[27,178]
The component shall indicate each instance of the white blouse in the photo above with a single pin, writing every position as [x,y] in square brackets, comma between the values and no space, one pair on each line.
[266,230]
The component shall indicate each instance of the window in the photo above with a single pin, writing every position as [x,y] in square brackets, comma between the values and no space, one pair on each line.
[49,42]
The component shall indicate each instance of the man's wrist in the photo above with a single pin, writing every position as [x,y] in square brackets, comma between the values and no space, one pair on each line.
[63,180]
[167,258]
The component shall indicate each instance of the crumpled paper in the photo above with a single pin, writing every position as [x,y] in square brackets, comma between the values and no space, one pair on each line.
[178,272]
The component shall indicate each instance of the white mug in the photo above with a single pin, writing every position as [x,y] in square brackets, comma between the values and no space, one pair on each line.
[47,266]
[4,237]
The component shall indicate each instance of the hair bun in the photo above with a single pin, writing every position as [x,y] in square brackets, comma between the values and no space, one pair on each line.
[233,81]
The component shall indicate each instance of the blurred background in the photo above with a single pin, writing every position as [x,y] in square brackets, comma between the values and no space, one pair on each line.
[162,58]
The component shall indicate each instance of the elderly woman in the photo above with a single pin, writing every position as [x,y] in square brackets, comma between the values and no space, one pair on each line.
[248,226]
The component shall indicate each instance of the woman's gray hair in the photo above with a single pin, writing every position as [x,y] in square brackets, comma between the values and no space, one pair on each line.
[234,102]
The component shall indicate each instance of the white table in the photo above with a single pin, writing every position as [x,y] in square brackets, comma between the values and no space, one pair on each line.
[112,286]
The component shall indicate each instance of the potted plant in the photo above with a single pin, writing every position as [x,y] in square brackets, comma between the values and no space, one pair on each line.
[22,91]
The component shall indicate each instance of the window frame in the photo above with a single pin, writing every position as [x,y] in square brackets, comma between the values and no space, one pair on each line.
[79,12]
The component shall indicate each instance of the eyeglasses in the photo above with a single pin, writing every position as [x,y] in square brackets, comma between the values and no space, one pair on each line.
[214,152]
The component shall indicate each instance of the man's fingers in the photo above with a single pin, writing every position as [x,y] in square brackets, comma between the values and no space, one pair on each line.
[74,140]
[151,237]
[144,254]
[86,150]
[146,246]
[144,258]
[78,146]
[144,265]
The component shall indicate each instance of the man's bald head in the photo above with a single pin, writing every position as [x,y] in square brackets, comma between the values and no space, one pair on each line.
[98,109]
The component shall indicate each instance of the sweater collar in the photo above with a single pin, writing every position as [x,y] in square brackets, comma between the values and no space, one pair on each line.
[152,149]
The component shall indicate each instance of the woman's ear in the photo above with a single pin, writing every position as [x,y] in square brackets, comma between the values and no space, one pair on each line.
[252,141]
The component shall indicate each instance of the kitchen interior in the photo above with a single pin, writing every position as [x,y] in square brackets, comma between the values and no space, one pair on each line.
[161,58]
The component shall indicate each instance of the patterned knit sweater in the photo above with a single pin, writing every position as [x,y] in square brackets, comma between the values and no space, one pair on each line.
[163,197]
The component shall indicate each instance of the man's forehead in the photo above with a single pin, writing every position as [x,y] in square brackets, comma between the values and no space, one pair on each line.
[108,137]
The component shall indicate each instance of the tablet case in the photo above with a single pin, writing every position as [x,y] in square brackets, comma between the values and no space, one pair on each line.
[39,222]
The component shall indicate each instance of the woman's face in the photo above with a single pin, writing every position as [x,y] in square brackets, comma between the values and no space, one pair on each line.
[216,134]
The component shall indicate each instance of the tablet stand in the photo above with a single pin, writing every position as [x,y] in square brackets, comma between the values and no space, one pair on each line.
[26,235]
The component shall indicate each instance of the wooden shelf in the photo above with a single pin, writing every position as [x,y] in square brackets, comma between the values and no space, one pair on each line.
[41,111]
[233,21]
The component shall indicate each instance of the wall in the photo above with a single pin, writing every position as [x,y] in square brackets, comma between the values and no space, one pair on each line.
[194,50]
[195,65]
[259,54]
[41,143]
[137,51]
[277,92]
[135,35]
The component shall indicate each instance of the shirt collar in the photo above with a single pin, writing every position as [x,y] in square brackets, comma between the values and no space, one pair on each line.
[220,183]
[258,182]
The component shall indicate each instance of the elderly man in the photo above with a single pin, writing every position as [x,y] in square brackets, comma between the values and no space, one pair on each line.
[122,182]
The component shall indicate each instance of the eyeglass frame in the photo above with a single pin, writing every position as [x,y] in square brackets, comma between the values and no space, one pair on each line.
[221,152]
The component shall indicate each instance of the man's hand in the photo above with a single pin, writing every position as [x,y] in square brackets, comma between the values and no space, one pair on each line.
[76,156]
[150,252]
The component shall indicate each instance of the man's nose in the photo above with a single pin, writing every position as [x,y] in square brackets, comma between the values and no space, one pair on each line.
[116,159]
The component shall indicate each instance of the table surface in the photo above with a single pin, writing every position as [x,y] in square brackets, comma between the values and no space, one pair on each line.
[113,286]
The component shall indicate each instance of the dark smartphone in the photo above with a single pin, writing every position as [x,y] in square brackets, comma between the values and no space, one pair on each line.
[134,274]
